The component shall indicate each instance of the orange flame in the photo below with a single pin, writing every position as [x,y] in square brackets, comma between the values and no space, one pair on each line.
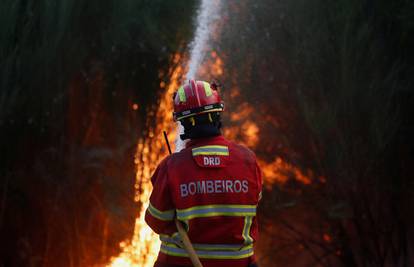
[142,249]
[279,171]
[212,68]
[244,129]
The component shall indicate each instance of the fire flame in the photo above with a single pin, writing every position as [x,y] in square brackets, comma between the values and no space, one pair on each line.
[244,129]
[279,171]
[142,249]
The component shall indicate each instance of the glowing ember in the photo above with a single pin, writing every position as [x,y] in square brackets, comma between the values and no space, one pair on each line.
[142,249]
[327,238]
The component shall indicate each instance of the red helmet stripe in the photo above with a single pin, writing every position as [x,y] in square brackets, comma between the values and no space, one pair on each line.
[194,89]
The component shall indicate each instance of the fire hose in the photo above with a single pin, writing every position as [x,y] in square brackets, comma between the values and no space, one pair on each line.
[183,234]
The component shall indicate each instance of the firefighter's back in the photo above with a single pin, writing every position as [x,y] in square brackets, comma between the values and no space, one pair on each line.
[215,185]
[212,186]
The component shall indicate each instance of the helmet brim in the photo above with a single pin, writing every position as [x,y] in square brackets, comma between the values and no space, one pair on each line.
[218,107]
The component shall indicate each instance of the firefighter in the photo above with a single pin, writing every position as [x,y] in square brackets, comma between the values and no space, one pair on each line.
[212,186]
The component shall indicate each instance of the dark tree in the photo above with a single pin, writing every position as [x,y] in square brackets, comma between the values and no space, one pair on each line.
[70,74]
[336,78]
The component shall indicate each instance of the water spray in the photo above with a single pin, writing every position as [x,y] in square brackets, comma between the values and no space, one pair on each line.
[208,14]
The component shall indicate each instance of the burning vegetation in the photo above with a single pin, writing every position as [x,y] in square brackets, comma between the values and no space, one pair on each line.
[142,249]
[320,91]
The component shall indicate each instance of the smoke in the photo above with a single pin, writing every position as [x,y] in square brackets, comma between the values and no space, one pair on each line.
[208,14]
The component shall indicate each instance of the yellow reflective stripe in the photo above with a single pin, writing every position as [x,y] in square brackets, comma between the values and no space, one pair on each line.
[181,94]
[216,210]
[246,230]
[167,215]
[216,153]
[218,247]
[211,150]
[211,146]
[175,236]
[174,250]
[175,239]
[207,89]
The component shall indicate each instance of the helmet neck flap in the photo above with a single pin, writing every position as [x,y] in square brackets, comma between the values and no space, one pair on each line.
[201,126]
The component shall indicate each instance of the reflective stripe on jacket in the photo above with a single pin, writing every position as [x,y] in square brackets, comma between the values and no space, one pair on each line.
[213,186]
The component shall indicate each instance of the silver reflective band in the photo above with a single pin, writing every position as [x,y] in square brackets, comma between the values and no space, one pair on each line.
[176,240]
[211,150]
[209,254]
[216,210]
[248,220]
[167,215]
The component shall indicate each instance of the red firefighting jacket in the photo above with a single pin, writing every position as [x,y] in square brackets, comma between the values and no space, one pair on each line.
[213,186]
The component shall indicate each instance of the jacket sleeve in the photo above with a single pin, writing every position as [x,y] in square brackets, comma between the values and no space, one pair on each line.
[259,181]
[160,213]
